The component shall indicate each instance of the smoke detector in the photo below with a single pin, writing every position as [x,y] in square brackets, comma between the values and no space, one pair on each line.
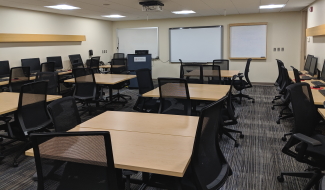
[151,6]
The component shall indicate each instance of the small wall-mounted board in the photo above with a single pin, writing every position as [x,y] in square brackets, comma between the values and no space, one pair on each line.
[5,37]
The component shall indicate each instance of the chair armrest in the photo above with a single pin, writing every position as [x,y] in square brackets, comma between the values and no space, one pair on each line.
[306,139]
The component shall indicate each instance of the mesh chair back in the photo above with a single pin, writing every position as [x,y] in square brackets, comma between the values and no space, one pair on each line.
[4,69]
[144,80]
[279,80]
[48,67]
[64,114]
[118,56]
[230,106]
[89,157]
[85,83]
[210,167]
[303,107]
[188,68]
[296,73]
[247,71]
[176,91]
[94,64]
[52,81]
[32,113]
[118,66]
[223,63]
[18,77]
[77,65]
[286,80]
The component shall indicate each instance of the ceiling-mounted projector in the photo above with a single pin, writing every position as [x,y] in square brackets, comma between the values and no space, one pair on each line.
[151,6]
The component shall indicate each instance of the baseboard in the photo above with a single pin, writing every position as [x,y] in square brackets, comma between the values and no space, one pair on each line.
[262,83]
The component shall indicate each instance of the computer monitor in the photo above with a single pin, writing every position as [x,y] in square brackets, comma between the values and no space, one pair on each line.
[307,63]
[33,63]
[57,60]
[75,57]
[4,69]
[322,77]
[142,52]
[313,66]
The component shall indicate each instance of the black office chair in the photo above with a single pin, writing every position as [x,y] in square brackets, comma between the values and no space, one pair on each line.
[95,170]
[208,168]
[52,81]
[187,68]
[241,84]
[216,79]
[18,77]
[4,72]
[77,65]
[85,86]
[296,74]
[174,90]
[94,64]
[48,67]
[145,104]
[305,145]
[118,56]
[279,78]
[279,82]
[228,116]
[223,63]
[119,66]
[30,116]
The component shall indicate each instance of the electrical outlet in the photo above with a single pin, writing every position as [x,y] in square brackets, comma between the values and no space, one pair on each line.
[282,49]
[278,49]
[274,49]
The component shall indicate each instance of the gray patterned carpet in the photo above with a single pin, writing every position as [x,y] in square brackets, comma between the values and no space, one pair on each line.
[255,163]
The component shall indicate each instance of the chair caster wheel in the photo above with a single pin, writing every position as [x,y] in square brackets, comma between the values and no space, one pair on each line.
[236,144]
[241,136]
[273,101]
[15,164]
[278,121]
[284,139]
[272,107]
[280,179]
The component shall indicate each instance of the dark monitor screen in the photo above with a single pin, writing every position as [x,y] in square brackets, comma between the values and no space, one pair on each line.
[75,57]
[57,60]
[142,52]
[313,65]
[33,63]
[4,69]
[307,63]
[322,77]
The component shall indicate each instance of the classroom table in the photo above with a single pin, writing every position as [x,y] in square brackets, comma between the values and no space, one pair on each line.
[108,79]
[162,146]
[317,96]
[9,101]
[321,111]
[209,92]
[212,73]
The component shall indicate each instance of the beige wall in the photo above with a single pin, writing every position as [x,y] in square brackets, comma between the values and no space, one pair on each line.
[284,30]
[98,36]
[316,45]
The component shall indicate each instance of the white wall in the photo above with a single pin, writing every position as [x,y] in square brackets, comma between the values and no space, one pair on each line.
[98,36]
[284,30]
[316,45]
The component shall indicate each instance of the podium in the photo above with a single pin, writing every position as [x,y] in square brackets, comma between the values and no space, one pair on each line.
[135,62]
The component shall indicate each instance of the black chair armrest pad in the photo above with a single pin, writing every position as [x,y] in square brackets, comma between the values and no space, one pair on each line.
[307,139]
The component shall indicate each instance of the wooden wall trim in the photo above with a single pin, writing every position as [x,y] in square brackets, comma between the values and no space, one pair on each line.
[6,37]
[316,31]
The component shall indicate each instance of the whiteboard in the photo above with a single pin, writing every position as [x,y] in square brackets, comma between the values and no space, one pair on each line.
[248,41]
[196,44]
[131,39]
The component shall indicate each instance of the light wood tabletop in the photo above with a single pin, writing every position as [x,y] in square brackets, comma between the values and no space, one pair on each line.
[322,112]
[146,152]
[317,96]
[9,101]
[109,79]
[109,66]
[144,122]
[210,92]
[211,73]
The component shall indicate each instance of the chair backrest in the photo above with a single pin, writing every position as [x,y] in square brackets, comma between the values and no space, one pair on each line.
[48,67]
[279,79]
[118,56]
[64,114]
[230,106]
[286,80]
[52,81]
[18,77]
[303,107]
[118,66]
[216,78]
[144,80]
[296,73]
[4,69]
[57,60]
[77,65]
[75,57]
[85,83]
[223,63]
[94,64]
[209,166]
[89,166]
[32,113]
[174,90]
[187,68]
[247,71]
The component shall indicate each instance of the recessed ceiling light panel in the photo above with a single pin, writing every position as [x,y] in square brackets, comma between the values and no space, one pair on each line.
[272,6]
[184,12]
[63,7]
[113,16]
